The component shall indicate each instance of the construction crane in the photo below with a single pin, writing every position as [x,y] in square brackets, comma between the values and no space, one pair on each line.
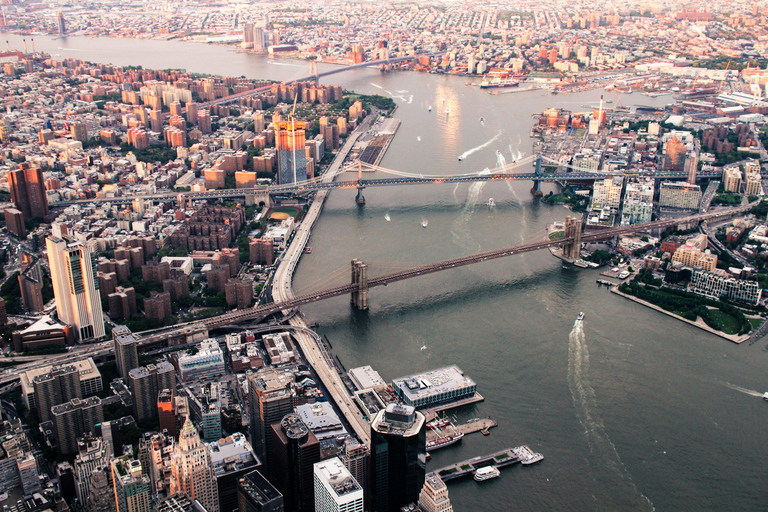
[724,77]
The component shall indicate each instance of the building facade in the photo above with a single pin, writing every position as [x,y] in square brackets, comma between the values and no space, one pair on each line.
[192,470]
[336,490]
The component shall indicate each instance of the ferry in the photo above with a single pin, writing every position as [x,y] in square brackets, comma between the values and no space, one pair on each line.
[580,317]
[534,457]
[497,83]
[442,442]
[486,473]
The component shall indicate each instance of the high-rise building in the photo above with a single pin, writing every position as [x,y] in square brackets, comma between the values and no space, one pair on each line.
[131,485]
[101,496]
[191,469]
[61,384]
[247,35]
[270,399]
[126,356]
[62,26]
[146,383]
[398,457]
[434,495]
[93,454]
[256,494]
[14,221]
[232,458]
[292,157]
[27,188]
[336,490]
[74,419]
[691,166]
[295,450]
[258,39]
[356,458]
[73,274]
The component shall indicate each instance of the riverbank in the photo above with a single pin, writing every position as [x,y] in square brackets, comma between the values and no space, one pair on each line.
[698,323]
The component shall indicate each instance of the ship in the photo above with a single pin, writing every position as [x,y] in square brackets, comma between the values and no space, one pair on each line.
[486,473]
[442,442]
[580,317]
[438,423]
[534,457]
[497,83]
[765,396]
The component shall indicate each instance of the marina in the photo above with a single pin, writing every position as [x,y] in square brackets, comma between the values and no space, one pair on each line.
[449,433]
[500,459]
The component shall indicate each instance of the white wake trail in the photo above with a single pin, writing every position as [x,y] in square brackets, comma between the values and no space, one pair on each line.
[750,392]
[478,148]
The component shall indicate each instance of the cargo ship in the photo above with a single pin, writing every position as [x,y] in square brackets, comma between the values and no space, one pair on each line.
[497,83]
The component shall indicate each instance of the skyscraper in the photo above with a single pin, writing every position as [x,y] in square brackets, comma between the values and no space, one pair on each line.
[93,453]
[75,418]
[27,188]
[132,493]
[256,494]
[192,470]
[434,495]
[247,35]
[398,457]
[336,490]
[295,450]
[146,383]
[100,492]
[258,39]
[61,384]
[126,356]
[60,23]
[292,155]
[73,273]
[270,400]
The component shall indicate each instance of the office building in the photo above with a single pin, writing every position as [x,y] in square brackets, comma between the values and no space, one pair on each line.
[101,495]
[93,453]
[292,156]
[295,450]
[53,385]
[232,458]
[14,221]
[256,494]
[73,275]
[131,485]
[27,188]
[206,363]
[356,459]
[192,470]
[60,24]
[75,419]
[336,490]
[179,502]
[434,387]
[44,333]
[146,384]
[126,355]
[270,399]
[434,495]
[679,196]
[398,457]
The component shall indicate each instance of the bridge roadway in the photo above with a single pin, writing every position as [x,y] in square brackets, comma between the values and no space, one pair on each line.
[311,186]
[251,313]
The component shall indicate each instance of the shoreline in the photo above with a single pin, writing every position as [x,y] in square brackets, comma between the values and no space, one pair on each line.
[734,338]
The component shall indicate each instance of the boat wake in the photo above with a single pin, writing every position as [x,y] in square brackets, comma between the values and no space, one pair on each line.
[585,403]
[480,147]
[750,392]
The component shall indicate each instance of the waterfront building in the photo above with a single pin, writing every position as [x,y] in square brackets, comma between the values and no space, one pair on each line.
[398,457]
[434,387]
[270,399]
[131,485]
[191,469]
[717,284]
[292,155]
[256,494]
[146,383]
[295,450]
[232,458]
[336,490]
[434,495]
[73,275]
[679,196]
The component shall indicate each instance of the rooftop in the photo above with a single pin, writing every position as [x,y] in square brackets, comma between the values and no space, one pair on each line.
[337,476]
[434,382]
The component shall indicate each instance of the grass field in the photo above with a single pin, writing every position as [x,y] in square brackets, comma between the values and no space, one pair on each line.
[725,323]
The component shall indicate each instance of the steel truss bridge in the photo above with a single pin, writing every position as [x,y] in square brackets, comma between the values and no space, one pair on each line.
[508,172]
[259,312]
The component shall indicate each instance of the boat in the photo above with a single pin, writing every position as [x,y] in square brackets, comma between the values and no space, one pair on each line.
[308,250]
[765,396]
[580,317]
[387,217]
[442,442]
[486,473]
[447,111]
[439,423]
[461,158]
[430,108]
[491,202]
[498,83]
[482,119]
[534,457]
[581,263]
[424,223]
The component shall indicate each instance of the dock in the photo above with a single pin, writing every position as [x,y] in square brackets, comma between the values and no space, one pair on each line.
[478,425]
[499,459]
[606,282]
[432,413]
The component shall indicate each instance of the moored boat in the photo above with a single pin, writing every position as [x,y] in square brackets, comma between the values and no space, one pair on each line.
[486,473]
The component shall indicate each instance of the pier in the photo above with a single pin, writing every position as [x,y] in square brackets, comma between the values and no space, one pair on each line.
[432,413]
[499,459]
[479,425]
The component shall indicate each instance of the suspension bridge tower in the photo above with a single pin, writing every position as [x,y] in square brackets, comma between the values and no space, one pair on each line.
[313,70]
[359,297]
[536,190]
[360,199]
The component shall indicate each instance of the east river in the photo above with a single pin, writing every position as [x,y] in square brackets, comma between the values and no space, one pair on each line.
[632,410]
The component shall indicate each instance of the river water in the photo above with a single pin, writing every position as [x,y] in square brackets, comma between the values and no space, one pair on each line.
[631,409]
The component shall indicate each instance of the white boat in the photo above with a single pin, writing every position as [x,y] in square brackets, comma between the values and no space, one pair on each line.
[536,457]
[442,442]
[461,158]
[486,473]
[765,396]
[447,111]
[387,217]
[430,108]
[580,317]
[491,202]
[424,223]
